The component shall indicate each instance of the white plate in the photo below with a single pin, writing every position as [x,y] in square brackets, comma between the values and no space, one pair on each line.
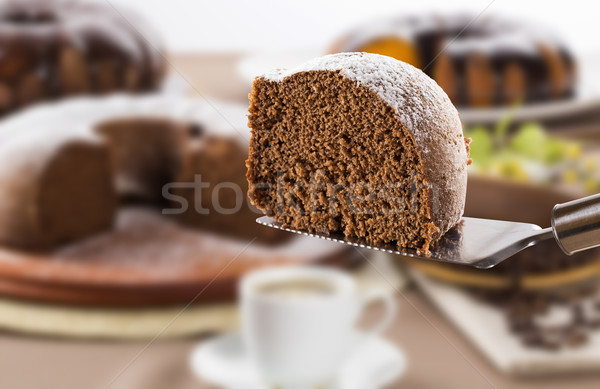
[535,112]
[222,361]
[586,100]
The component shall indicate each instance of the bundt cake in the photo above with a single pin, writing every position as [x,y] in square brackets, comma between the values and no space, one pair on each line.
[66,165]
[214,178]
[50,49]
[54,189]
[479,61]
[145,154]
[358,143]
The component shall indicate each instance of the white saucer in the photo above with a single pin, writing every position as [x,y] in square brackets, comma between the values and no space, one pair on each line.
[222,361]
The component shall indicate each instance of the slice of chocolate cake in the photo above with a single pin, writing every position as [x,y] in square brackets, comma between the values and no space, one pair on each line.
[358,143]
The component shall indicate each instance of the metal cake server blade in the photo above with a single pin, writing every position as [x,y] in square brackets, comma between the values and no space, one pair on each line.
[476,242]
[484,243]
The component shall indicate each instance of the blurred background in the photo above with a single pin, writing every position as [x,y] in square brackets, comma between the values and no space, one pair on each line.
[116,263]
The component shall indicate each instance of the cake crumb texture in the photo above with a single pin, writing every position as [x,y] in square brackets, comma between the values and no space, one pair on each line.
[357,143]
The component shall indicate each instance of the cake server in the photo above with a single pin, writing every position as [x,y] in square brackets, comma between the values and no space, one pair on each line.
[484,243]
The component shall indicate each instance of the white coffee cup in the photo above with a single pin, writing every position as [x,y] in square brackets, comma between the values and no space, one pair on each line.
[299,323]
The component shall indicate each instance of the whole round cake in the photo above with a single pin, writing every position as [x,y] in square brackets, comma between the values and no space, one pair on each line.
[479,61]
[50,49]
[358,143]
[67,165]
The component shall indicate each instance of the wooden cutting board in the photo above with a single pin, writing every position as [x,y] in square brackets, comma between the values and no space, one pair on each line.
[148,259]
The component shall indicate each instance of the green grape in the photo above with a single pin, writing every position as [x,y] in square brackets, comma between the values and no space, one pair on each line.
[555,151]
[530,141]
[573,151]
[570,176]
[512,168]
[530,147]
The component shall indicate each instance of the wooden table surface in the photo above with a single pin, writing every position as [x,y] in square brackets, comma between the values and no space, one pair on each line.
[438,355]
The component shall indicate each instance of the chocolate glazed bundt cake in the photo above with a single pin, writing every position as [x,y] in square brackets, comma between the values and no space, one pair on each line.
[479,61]
[358,143]
[50,49]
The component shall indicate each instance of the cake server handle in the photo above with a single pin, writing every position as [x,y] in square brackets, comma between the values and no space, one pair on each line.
[576,224]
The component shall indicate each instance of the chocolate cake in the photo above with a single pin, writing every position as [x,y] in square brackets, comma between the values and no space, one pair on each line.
[215,187]
[479,61]
[146,153]
[358,143]
[44,200]
[52,49]
[66,165]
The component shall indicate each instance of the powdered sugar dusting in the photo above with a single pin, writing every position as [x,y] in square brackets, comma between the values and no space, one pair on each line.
[81,114]
[422,106]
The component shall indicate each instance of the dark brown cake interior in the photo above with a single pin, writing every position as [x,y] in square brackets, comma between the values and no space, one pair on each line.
[71,204]
[145,154]
[330,155]
[219,203]
[148,153]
